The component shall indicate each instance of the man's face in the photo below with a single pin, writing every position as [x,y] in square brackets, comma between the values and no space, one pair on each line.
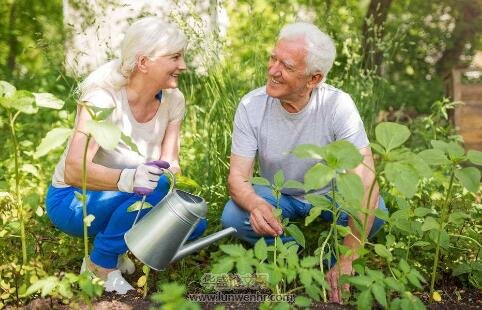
[287,79]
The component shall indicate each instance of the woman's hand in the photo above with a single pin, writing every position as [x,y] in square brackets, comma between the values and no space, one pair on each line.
[142,180]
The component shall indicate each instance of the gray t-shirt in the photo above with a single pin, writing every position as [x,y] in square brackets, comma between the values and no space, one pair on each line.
[263,127]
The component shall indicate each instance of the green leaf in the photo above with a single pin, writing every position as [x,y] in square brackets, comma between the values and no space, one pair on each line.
[351,188]
[382,214]
[361,281]
[279,178]
[260,181]
[128,141]
[318,177]
[458,217]
[430,224]
[434,157]
[394,284]
[404,266]
[461,269]
[341,154]
[296,233]
[421,244]
[136,206]
[24,102]
[105,133]
[413,279]
[304,151]
[302,301]
[314,213]
[47,100]
[100,114]
[186,183]
[391,135]
[379,292]
[309,261]
[455,151]
[313,291]
[377,148]
[89,219]
[364,300]
[260,249]
[294,184]
[469,177]
[235,250]
[7,89]
[305,277]
[421,212]
[54,138]
[224,265]
[403,176]
[382,251]
[440,145]
[243,266]
[343,230]
[475,157]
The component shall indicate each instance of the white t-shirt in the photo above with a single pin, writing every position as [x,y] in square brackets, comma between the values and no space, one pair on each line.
[146,136]
[263,127]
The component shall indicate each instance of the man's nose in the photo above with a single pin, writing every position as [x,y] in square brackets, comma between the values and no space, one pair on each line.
[182,64]
[274,68]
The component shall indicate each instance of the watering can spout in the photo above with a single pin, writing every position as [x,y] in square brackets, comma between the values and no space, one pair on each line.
[203,242]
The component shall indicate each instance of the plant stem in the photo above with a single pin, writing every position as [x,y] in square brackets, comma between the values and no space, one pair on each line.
[335,231]
[322,252]
[442,221]
[18,198]
[84,197]
[146,286]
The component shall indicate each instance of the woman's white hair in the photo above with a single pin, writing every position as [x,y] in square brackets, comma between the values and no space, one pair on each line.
[320,49]
[148,36]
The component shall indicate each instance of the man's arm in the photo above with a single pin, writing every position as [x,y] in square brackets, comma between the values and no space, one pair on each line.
[261,213]
[366,171]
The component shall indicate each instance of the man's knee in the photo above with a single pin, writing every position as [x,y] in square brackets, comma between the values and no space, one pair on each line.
[231,215]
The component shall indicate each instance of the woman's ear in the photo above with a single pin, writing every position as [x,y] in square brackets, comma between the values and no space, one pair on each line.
[141,63]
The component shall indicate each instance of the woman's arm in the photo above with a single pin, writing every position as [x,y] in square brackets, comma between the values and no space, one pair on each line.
[171,145]
[98,177]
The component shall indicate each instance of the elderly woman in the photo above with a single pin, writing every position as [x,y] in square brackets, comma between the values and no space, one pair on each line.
[140,86]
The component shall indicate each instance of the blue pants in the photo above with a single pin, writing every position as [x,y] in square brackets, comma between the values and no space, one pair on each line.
[234,216]
[111,221]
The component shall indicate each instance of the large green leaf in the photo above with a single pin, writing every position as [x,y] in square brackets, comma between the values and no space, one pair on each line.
[296,233]
[7,89]
[391,135]
[455,151]
[260,181]
[47,100]
[475,157]
[314,213]
[54,138]
[364,300]
[260,249]
[434,157]
[469,177]
[430,224]
[351,188]
[304,151]
[128,141]
[382,251]
[341,155]
[318,176]
[235,250]
[224,265]
[403,176]
[105,133]
[24,102]
[379,292]
[279,178]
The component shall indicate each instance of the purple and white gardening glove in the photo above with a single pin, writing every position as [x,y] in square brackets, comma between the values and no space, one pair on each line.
[142,180]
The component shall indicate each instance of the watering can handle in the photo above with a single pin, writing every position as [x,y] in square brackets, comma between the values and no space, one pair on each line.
[171,188]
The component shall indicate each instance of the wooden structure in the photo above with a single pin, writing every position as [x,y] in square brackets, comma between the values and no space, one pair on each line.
[465,86]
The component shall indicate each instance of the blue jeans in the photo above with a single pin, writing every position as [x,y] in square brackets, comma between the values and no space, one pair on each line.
[111,221]
[234,216]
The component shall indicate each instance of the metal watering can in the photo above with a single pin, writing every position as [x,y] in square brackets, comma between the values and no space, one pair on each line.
[158,238]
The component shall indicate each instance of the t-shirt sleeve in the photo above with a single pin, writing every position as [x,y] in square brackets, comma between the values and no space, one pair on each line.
[244,142]
[177,106]
[347,123]
[99,98]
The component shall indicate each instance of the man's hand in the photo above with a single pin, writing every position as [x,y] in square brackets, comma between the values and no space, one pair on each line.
[333,277]
[263,221]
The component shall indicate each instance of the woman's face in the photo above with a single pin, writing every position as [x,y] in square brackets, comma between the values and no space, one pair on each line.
[165,70]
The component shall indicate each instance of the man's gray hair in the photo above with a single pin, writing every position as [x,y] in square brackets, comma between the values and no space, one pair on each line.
[320,49]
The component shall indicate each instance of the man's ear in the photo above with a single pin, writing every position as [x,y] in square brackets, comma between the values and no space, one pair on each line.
[315,79]
[141,63]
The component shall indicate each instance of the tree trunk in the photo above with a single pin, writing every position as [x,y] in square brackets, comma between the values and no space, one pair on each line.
[12,40]
[373,32]
[467,26]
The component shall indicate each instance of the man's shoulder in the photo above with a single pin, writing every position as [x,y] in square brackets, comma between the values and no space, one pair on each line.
[254,96]
[331,91]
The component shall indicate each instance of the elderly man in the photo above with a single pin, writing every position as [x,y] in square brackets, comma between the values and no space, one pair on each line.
[295,107]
